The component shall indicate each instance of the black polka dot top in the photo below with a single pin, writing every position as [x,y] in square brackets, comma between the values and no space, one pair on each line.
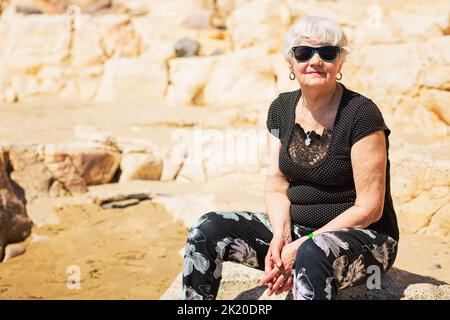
[322,190]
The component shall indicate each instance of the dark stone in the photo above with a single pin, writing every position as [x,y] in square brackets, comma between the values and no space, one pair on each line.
[15,226]
[186,48]
[28,10]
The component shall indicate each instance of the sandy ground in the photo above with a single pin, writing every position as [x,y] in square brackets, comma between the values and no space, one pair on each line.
[129,253]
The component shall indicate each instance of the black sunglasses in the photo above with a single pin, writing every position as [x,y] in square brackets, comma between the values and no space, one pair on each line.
[326,53]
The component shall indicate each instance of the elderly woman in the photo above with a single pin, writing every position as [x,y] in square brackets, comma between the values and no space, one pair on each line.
[330,220]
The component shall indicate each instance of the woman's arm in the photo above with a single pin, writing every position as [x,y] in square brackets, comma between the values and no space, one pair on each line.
[275,194]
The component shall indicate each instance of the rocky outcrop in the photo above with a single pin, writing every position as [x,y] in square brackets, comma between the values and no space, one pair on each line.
[122,56]
[240,283]
[15,225]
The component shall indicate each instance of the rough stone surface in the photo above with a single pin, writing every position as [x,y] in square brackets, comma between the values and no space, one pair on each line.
[15,225]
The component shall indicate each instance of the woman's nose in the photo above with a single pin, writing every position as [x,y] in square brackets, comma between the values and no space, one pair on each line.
[315,60]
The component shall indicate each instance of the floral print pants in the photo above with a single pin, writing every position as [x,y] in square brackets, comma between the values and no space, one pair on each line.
[324,264]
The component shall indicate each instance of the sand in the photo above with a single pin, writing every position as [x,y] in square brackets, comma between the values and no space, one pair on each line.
[129,253]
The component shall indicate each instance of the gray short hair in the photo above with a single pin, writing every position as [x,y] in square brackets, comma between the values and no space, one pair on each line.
[321,29]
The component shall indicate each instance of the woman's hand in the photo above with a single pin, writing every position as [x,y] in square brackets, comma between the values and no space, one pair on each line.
[282,277]
[273,259]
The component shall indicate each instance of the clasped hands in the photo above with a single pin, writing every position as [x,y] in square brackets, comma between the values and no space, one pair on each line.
[278,264]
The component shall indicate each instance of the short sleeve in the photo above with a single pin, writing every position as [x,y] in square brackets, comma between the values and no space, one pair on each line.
[368,120]
[273,119]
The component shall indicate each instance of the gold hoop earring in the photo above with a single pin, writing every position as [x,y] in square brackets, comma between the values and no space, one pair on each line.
[340,73]
[292,75]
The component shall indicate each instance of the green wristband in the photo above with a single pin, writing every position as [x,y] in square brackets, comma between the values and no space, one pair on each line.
[311,235]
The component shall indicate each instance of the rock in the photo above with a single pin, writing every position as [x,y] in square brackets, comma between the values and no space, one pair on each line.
[435,266]
[440,223]
[118,36]
[14,250]
[418,169]
[58,6]
[108,193]
[133,8]
[30,172]
[170,169]
[35,238]
[15,226]
[402,88]
[426,291]
[418,213]
[126,79]
[34,41]
[121,204]
[79,165]
[191,172]
[270,19]
[188,77]
[140,160]
[437,101]
[3,5]
[240,283]
[282,71]
[140,166]
[186,48]
[235,150]
[243,78]
[435,63]
[198,19]
[419,184]
[28,10]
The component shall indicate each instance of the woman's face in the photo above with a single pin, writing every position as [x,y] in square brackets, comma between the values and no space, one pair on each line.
[315,72]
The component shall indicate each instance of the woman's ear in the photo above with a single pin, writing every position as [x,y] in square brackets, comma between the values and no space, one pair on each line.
[290,64]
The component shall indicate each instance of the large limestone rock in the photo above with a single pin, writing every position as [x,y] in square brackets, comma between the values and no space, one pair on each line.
[101,37]
[241,78]
[29,44]
[78,165]
[260,23]
[14,223]
[34,41]
[188,77]
[420,177]
[412,96]
[141,78]
[140,160]
[244,77]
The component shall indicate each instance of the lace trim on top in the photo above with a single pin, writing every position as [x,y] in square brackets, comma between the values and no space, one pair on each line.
[301,153]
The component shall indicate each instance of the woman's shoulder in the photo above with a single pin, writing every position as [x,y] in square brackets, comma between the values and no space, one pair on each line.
[284,102]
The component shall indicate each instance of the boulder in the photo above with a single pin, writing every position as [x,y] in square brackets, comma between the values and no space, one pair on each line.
[420,177]
[188,77]
[186,48]
[79,165]
[245,77]
[260,23]
[128,78]
[30,42]
[30,171]
[15,226]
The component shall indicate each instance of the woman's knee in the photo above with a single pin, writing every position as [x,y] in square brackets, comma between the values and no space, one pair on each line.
[309,254]
[206,226]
